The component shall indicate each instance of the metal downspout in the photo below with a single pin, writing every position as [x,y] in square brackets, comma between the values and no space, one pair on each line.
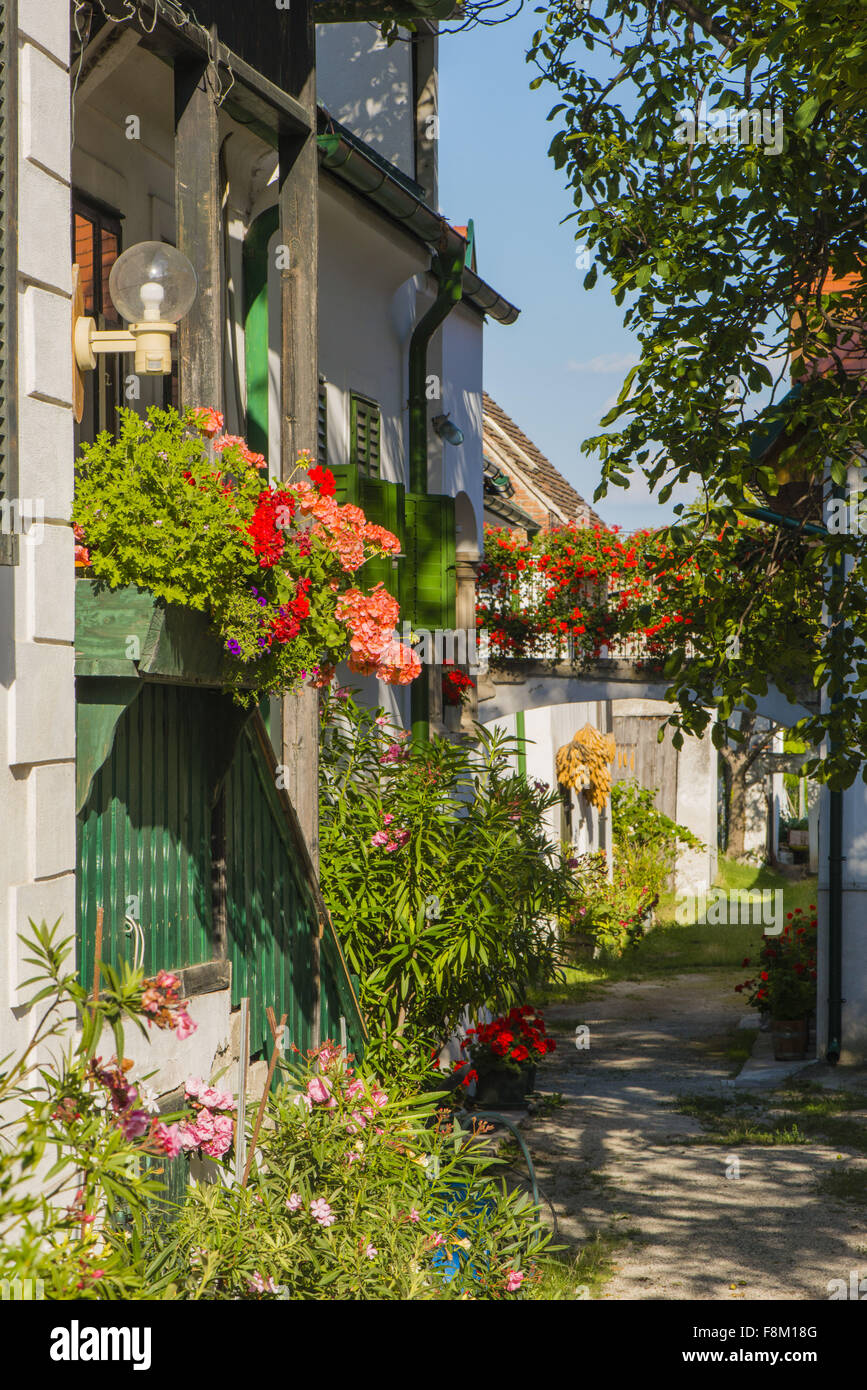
[835,836]
[448,267]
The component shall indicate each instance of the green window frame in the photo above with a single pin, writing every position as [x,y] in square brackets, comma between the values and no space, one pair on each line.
[8,269]
[365,430]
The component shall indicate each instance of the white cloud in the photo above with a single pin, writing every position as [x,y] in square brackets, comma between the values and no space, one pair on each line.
[606,362]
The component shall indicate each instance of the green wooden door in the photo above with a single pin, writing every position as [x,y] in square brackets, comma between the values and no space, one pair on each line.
[428,590]
[146,847]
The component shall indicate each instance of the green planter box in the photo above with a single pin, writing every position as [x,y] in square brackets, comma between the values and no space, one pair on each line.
[127,632]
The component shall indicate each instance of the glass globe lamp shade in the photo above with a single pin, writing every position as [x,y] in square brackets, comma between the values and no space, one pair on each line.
[152,282]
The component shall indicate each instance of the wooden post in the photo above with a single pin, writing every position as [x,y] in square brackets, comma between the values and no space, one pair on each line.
[277,1035]
[299,236]
[197,211]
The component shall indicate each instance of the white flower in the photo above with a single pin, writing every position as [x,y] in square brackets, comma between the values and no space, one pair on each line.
[147,1099]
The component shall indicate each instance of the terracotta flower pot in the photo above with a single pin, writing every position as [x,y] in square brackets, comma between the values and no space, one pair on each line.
[790,1039]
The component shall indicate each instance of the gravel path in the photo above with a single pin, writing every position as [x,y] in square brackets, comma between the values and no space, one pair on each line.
[612,1158]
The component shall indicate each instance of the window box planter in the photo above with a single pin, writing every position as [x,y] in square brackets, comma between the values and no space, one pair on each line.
[128,632]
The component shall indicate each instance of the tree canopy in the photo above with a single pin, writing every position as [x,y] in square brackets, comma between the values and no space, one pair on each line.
[719,181]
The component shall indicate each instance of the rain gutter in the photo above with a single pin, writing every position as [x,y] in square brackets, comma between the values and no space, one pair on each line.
[353,164]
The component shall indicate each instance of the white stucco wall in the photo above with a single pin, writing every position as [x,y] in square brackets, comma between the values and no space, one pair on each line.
[461,468]
[37,696]
[368,87]
[366,315]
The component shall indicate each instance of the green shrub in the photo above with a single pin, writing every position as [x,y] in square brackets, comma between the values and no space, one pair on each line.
[356,1195]
[441,881]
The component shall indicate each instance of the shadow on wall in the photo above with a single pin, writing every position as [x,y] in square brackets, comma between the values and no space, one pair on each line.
[368,88]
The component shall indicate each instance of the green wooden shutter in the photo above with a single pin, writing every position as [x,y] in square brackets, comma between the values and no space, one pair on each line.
[8,267]
[365,430]
[428,590]
[383,503]
[346,482]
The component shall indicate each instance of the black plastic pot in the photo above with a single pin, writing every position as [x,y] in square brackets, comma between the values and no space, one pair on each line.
[505,1087]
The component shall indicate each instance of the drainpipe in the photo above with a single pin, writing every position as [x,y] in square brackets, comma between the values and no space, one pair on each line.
[835,836]
[448,267]
[835,805]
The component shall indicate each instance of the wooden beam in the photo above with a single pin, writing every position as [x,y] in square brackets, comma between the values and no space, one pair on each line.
[197,203]
[263,101]
[102,57]
[299,235]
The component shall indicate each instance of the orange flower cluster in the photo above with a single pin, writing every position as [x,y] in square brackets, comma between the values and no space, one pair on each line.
[371,619]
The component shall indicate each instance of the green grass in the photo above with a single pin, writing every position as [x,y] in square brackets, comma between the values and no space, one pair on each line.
[791,1115]
[844,1185]
[673,949]
[581,1276]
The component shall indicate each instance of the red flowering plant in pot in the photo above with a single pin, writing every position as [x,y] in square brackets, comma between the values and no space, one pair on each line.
[175,506]
[785,986]
[456,687]
[502,1056]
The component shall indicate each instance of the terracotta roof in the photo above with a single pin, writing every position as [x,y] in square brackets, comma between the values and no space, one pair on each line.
[538,471]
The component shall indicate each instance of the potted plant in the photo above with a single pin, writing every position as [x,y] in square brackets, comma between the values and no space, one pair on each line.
[785,987]
[502,1056]
[792,998]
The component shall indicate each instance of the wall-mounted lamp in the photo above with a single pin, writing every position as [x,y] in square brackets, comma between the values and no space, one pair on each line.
[152,286]
[446,430]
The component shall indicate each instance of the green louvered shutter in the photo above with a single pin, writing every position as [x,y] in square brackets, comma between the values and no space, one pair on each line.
[383,503]
[8,267]
[428,590]
[364,434]
[322,426]
[346,483]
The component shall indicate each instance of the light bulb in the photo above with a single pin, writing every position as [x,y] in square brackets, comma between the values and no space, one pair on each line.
[152,296]
[152,282]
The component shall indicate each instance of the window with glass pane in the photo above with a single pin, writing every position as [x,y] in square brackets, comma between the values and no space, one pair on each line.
[96,244]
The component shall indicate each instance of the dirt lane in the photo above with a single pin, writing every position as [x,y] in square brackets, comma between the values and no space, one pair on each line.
[614,1157]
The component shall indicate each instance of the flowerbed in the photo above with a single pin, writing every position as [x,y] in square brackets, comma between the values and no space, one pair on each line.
[355,1192]
[176,507]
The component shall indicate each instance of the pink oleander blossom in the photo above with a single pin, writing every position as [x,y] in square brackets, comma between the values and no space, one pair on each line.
[321,1212]
[134,1123]
[514,1280]
[319,1091]
[169,1139]
[294,1202]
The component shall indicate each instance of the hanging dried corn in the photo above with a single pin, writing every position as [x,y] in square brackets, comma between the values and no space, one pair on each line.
[583,765]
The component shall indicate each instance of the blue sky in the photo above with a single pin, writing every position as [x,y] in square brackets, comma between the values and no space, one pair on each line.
[559,368]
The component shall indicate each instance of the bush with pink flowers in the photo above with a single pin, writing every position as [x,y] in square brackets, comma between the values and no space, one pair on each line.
[442,881]
[80,1136]
[357,1195]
